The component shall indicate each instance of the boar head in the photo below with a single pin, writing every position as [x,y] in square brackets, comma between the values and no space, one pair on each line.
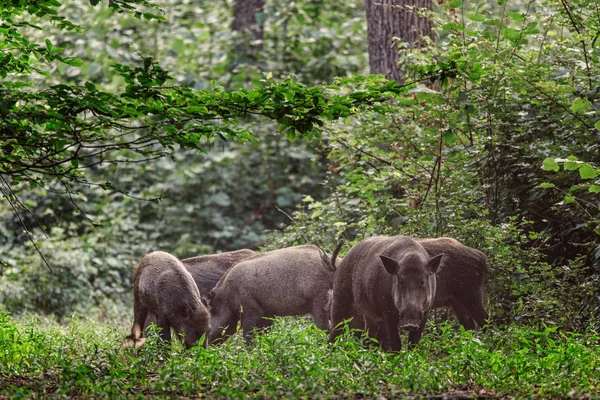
[222,315]
[413,286]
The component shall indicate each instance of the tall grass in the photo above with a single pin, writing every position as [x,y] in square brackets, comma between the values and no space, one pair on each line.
[294,359]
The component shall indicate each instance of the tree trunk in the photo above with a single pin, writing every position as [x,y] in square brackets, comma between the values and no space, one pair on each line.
[248,18]
[386,21]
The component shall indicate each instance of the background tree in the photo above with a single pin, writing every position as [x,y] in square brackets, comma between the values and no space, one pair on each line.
[394,25]
[248,20]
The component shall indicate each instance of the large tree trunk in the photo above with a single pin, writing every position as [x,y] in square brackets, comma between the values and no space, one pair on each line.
[245,21]
[386,21]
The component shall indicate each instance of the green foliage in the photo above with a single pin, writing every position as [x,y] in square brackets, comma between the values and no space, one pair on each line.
[294,359]
[74,140]
[504,90]
[59,132]
[87,272]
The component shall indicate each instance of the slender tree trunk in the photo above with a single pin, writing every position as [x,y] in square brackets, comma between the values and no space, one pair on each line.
[248,18]
[386,21]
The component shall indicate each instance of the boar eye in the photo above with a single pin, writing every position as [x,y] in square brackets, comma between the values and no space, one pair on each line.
[401,282]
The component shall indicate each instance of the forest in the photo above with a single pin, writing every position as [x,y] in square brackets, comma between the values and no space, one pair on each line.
[198,127]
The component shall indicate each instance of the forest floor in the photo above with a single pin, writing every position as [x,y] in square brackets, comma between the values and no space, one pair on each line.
[83,358]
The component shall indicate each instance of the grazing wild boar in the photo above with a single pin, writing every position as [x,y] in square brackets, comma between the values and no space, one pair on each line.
[164,288]
[288,281]
[390,281]
[208,269]
[460,284]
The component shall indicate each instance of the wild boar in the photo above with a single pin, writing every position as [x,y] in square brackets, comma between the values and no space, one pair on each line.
[208,269]
[164,288]
[460,285]
[390,281]
[288,281]
[460,280]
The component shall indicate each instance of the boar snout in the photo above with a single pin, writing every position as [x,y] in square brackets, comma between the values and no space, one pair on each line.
[410,321]
[410,327]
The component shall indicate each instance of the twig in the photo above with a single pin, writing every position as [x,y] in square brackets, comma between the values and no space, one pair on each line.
[582,41]
[16,211]
[377,158]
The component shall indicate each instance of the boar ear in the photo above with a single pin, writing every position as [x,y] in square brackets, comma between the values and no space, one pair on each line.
[434,263]
[390,265]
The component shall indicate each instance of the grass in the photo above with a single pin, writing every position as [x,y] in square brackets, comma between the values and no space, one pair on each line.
[294,360]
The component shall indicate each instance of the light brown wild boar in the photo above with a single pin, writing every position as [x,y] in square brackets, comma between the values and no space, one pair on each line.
[390,281]
[288,281]
[207,270]
[163,287]
[460,284]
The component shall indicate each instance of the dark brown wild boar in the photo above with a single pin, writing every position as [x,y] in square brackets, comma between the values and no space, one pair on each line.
[289,281]
[460,284]
[460,280]
[390,281]
[208,269]
[164,288]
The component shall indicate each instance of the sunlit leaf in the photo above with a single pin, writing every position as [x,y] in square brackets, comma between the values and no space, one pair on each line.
[587,172]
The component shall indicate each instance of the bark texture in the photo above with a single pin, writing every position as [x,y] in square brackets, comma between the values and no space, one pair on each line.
[389,19]
[245,21]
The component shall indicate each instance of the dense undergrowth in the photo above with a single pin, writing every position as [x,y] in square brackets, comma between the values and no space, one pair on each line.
[85,358]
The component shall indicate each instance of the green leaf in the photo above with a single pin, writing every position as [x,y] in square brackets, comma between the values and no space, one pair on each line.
[545,185]
[550,164]
[197,109]
[317,213]
[73,61]
[516,16]
[49,45]
[579,105]
[568,199]
[94,2]
[587,172]
[511,34]
[455,4]
[449,138]
[597,125]
[571,164]
[75,162]
[594,188]
[476,17]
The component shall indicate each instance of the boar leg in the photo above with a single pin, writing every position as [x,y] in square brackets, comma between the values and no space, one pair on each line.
[252,318]
[139,316]
[375,331]
[320,315]
[150,319]
[463,315]
[340,312]
[390,321]
[165,328]
[477,310]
